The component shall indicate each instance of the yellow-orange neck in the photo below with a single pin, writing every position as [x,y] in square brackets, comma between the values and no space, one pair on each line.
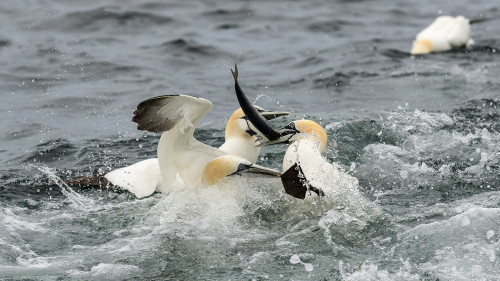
[312,130]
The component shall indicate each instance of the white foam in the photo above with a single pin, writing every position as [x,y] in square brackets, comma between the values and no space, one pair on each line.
[295,259]
[218,204]
[105,271]
[456,248]
[369,272]
[13,222]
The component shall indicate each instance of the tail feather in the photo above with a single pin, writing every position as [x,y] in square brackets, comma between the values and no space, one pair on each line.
[95,181]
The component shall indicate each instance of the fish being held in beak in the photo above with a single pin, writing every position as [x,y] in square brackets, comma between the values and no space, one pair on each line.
[260,124]
[295,181]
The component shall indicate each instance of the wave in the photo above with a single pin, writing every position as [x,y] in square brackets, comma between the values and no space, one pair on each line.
[341,80]
[5,43]
[101,18]
[328,26]
[226,14]
[478,114]
[188,47]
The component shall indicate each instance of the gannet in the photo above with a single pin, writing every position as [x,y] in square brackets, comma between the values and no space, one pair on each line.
[228,165]
[304,166]
[181,158]
[444,34]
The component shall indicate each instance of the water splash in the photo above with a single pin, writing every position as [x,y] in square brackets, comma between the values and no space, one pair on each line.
[295,259]
[78,200]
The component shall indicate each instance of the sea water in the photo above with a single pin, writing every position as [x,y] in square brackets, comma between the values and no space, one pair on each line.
[420,133]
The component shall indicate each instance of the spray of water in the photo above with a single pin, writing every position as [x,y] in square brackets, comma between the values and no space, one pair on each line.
[76,199]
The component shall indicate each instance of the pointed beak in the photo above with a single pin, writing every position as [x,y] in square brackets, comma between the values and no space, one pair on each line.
[269,115]
[285,134]
[254,116]
[256,169]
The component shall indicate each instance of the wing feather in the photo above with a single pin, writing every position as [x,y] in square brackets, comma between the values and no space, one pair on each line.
[162,113]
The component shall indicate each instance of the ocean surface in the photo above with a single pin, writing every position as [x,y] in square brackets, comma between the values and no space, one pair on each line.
[420,133]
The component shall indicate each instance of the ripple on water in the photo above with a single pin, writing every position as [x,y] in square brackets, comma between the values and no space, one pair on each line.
[427,204]
[108,19]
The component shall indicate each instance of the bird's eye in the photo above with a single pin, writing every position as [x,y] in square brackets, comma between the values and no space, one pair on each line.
[241,167]
[290,126]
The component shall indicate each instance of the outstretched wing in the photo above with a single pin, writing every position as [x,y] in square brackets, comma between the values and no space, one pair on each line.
[162,113]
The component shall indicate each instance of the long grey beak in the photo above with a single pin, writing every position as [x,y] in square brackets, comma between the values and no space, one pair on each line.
[269,115]
[283,139]
[256,169]
[285,134]
[254,116]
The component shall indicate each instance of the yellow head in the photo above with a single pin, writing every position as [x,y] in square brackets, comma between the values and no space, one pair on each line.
[238,124]
[227,165]
[421,46]
[217,169]
[302,129]
[311,129]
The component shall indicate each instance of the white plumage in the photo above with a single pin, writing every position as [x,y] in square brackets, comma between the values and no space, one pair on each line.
[328,177]
[141,179]
[444,34]
[181,158]
[308,145]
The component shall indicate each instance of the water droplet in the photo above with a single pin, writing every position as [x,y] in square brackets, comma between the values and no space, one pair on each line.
[308,267]
[294,259]
[352,167]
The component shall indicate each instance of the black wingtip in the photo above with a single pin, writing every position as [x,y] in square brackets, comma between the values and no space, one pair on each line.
[296,184]
[146,114]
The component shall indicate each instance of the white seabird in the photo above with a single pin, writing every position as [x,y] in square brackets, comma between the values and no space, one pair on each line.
[444,34]
[304,166]
[181,158]
[228,165]
[180,155]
